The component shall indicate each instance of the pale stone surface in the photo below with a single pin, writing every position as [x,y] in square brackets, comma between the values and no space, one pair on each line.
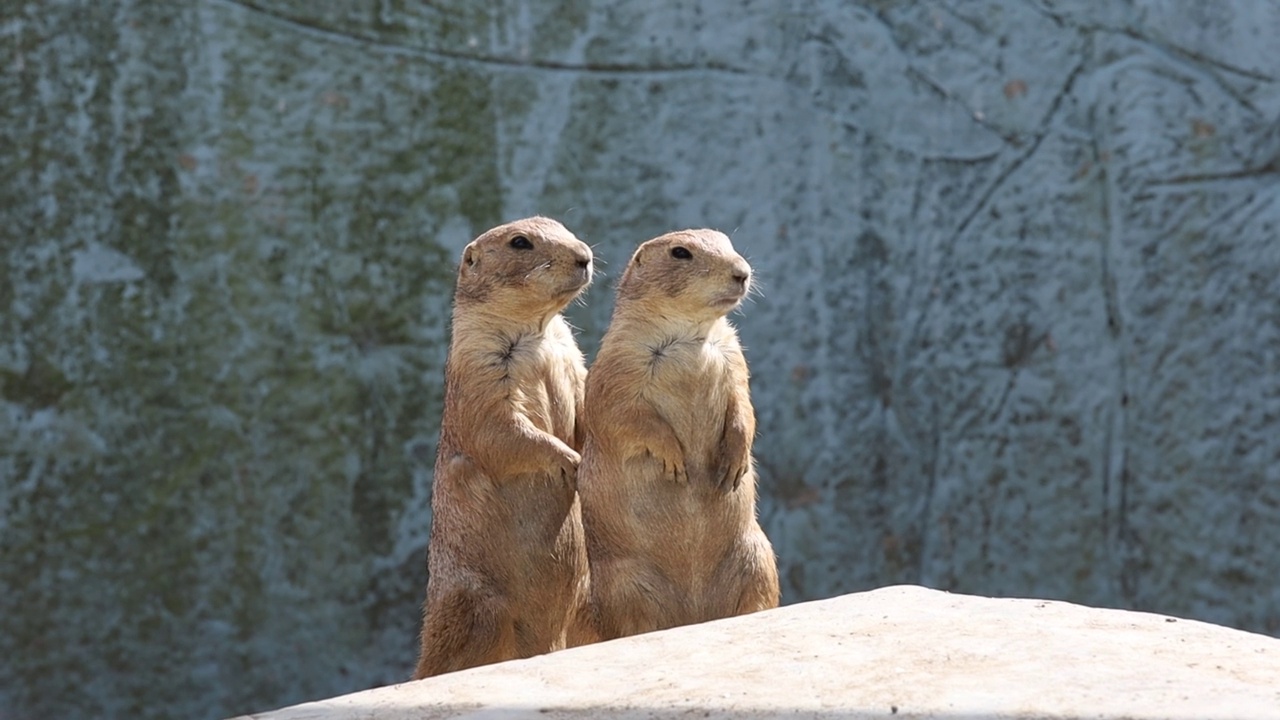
[902,650]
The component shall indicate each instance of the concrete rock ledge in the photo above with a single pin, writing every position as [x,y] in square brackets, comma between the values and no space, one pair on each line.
[901,651]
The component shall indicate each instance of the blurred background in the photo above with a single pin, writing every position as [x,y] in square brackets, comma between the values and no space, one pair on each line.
[1020,330]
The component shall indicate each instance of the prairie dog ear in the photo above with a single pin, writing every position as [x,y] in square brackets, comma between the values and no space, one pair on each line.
[470,256]
[635,257]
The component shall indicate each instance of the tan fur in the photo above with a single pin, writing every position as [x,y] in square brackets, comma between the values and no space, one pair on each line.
[507,561]
[666,480]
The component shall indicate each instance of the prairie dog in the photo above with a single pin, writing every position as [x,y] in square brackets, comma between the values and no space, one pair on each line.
[667,481]
[507,560]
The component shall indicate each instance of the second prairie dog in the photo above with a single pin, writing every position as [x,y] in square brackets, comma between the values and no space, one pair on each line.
[507,560]
[667,481]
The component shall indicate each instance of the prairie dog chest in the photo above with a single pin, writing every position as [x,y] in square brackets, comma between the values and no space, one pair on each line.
[542,374]
[689,382]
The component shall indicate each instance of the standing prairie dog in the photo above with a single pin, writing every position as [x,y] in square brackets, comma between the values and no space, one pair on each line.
[667,484]
[507,560]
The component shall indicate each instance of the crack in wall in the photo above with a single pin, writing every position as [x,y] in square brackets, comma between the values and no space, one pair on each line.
[1177,53]
[1116,477]
[324,33]
[985,197]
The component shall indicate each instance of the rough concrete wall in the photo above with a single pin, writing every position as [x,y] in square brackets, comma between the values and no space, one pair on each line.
[1020,332]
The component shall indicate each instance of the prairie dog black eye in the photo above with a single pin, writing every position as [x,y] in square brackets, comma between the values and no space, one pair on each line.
[680,252]
[521,242]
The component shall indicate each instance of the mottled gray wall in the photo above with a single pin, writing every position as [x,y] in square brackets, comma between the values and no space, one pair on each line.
[1020,332]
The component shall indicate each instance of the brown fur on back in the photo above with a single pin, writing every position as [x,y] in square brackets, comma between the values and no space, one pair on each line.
[507,561]
[666,480]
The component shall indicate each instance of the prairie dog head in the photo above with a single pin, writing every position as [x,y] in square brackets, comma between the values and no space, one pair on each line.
[694,274]
[525,269]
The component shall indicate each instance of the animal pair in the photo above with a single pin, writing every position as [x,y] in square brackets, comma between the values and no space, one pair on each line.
[571,507]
